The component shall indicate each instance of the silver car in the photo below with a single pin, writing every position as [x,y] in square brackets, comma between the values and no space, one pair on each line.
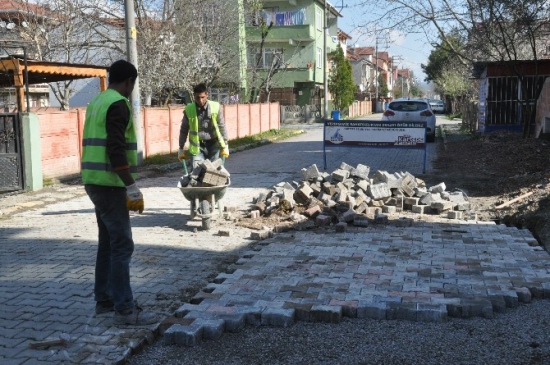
[438,106]
[413,110]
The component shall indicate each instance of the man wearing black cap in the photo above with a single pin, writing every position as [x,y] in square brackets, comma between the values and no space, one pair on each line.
[109,166]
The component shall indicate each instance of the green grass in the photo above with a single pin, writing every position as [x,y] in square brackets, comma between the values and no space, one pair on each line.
[161,159]
[251,141]
[270,135]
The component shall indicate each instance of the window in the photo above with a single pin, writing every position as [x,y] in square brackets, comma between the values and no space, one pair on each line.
[319,18]
[320,57]
[265,59]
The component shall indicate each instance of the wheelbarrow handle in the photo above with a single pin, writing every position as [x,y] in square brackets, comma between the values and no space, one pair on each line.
[184,163]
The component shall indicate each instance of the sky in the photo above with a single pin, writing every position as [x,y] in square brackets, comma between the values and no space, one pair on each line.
[412,48]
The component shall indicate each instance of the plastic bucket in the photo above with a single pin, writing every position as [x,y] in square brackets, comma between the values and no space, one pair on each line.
[335,114]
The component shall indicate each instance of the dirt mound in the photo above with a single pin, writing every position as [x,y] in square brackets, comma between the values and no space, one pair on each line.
[497,168]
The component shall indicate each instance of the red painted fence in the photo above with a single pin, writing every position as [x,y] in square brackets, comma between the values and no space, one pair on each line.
[61,131]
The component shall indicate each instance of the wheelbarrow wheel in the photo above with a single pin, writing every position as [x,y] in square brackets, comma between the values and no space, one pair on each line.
[205,211]
[193,209]
[205,207]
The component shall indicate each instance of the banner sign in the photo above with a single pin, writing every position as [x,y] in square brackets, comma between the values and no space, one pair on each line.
[374,133]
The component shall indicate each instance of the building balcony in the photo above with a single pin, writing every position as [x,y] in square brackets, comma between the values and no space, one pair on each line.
[282,34]
[292,75]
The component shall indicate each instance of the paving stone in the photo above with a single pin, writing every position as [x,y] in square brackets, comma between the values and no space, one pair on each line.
[212,329]
[401,310]
[361,171]
[234,322]
[278,317]
[379,191]
[260,235]
[381,219]
[439,188]
[326,313]
[421,209]
[340,175]
[373,310]
[453,214]
[183,335]
[311,173]
[341,227]
[441,206]
[323,220]
[360,220]
[524,295]
[427,312]
[225,232]
[252,315]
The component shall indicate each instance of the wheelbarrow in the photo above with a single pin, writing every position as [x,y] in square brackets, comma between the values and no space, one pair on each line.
[205,200]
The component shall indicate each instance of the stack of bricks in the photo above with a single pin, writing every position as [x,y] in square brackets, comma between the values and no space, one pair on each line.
[206,173]
[348,195]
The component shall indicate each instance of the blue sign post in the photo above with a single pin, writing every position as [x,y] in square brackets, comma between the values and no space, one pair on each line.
[374,133]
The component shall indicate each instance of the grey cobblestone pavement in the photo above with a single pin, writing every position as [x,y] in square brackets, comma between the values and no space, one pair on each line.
[425,271]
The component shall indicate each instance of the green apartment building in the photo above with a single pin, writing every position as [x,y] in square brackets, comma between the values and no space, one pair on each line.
[295,42]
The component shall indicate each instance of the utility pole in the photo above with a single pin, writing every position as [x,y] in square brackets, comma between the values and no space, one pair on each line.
[376,71]
[394,60]
[325,61]
[131,55]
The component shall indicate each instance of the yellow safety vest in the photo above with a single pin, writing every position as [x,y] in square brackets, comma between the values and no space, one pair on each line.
[192,117]
[96,166]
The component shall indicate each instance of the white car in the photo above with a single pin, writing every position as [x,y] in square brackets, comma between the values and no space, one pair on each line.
[412,110]
[438,106]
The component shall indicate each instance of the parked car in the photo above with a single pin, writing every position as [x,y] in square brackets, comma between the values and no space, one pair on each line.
[414,110]
[438,106]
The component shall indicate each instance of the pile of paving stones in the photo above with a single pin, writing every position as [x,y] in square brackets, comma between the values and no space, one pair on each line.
[349,196]
[206,173]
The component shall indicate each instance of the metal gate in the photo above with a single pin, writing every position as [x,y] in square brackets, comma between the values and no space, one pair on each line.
[11,156]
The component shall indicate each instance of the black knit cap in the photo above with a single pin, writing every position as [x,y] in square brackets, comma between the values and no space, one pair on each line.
[120,71]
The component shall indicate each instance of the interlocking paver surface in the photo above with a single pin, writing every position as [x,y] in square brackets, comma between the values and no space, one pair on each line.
[435,267]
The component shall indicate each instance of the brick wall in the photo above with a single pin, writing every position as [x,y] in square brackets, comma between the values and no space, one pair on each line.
[61,132]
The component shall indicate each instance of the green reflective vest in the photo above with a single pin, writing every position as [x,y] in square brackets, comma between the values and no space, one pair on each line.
[96,166]
[191,113]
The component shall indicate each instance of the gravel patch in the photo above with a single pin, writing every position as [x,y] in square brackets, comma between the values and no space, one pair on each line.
[516,336]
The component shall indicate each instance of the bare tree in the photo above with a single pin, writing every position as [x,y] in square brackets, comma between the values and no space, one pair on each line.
[495,30]
[208,31]
[65,31]
[487,30]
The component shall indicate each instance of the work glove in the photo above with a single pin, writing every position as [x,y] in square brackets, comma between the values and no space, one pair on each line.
[182,155]
[134,198]
[225,152]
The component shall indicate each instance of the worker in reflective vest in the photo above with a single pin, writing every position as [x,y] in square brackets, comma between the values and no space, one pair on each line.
[109,165]
[203,123]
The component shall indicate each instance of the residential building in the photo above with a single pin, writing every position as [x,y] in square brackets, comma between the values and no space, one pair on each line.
[403,81]
[383,61]
[368,66]
[295,44]
[362,66]
[12,44]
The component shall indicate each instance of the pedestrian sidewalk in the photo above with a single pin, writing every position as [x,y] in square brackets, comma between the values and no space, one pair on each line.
[423,268]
